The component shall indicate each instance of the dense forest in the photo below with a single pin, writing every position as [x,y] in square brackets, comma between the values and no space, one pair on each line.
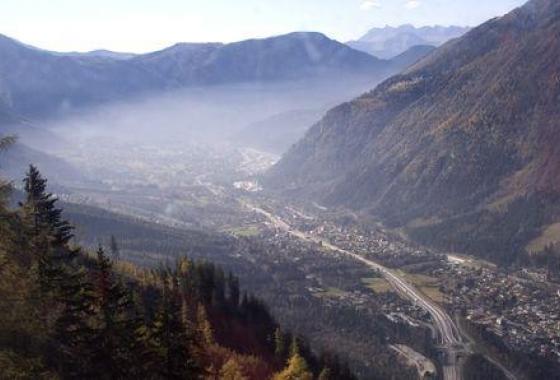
[69,313]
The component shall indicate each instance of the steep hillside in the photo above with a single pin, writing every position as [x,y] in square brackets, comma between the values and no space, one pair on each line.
[412,55]
[462,149]
[388,42]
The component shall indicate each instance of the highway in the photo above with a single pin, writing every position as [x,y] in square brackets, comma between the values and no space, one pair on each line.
[449,337]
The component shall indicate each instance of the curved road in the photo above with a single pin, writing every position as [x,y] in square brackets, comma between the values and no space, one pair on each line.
[448,334]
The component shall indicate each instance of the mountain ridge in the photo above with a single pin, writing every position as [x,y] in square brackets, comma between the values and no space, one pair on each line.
[389,42]
[288,56]
[41,83]
[465,135]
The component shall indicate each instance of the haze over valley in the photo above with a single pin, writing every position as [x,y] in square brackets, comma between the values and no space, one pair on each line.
[287,207]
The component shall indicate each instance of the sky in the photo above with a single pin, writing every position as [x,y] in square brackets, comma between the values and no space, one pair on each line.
[147,25]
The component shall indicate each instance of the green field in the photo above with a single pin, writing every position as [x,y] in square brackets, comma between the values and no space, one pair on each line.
[244,231]
[426,284]
[377,284]
[332,292]
[550,235]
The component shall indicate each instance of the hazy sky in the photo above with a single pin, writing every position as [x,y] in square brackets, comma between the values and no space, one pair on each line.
[146,25]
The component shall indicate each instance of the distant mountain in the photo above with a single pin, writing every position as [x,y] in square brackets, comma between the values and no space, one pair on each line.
[178,64]
[291,56]
[389,42]
[100,53]
[461,150]
[277,133]
[38,83]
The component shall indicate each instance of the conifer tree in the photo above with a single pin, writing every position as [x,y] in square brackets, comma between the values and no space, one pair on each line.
[5,142]
[218,293]
[40,208]
[279,344]
[231,370]
[204,328]
[233,291]
[175,344]
[65,298]
[325,374]
[46,232]
[73,331]
[296,369]
[294,346]
[115,334]
[115,250]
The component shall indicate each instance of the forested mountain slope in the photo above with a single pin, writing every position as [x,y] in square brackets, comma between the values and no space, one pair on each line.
[69,314]
[462,149]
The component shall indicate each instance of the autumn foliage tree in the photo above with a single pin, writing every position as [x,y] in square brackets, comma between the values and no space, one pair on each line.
[69,314]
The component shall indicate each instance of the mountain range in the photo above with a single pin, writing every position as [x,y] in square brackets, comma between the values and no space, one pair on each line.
[460,151]
[37,83]
[290,56]
[389,42]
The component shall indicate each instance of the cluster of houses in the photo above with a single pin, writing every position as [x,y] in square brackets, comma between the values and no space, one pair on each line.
[523,312]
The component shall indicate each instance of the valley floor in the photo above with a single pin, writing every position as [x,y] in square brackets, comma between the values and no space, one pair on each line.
[356,278]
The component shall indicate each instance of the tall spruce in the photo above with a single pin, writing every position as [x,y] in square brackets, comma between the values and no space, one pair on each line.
[114,247]
[66,298]
[233,290]
[115,337]
[5,142]
[174,340]
[74,330]
[40,209]
[280,345]
[46,231]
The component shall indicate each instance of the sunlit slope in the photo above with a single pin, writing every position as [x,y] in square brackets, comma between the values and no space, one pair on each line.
[463,148]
